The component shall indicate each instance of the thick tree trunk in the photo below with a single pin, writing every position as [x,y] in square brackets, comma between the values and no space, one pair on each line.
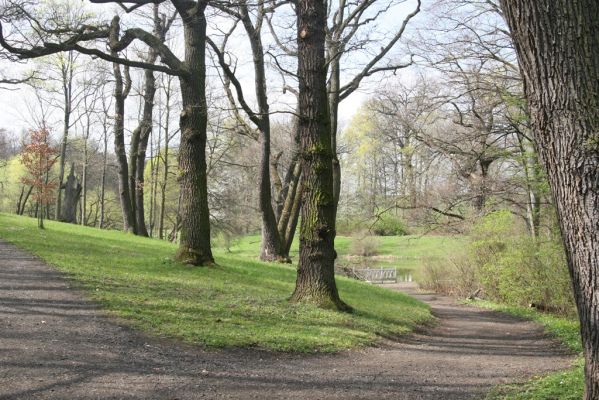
[194,244]
[557,42]
[316,270]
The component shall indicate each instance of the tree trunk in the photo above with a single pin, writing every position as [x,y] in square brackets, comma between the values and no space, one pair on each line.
[292,223]
[334,100]
[316,271]
[165,160]
[557,42]
[132,176]
[194,244]
[120,94]
[67,66]
[138,152]
[84,176]
[72,192]
[103,178]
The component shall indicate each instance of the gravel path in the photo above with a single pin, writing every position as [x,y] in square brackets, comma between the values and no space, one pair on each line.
[54,344]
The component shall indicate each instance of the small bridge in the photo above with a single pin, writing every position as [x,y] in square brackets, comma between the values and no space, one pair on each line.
[376,275]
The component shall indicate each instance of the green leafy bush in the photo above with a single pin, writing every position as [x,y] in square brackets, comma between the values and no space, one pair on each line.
[385,225]
[389,225]
[507,265]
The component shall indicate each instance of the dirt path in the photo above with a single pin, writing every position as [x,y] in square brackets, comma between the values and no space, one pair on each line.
[56,345]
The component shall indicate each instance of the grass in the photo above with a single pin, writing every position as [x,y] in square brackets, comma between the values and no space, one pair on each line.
[239,303]
[563,385]
[403,252]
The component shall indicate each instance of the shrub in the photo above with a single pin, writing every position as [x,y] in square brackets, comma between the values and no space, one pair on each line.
[454,276]
[517,269]
[508,265]
[389,225]
[364,244]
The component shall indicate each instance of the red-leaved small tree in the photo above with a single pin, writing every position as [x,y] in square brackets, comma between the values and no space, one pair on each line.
[38,157]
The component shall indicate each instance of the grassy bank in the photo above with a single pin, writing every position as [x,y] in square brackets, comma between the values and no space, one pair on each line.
[402,252]
[241,302]
[563,385]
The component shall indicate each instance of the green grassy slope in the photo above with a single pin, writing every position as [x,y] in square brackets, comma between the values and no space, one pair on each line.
[403,252]
[241,302]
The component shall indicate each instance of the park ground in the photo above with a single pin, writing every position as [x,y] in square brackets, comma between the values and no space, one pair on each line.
[199,325]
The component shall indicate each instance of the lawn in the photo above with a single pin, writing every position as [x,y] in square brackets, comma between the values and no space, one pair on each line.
[239,303]
[402,252]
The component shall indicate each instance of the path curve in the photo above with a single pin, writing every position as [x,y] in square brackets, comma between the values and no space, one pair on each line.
[54,344]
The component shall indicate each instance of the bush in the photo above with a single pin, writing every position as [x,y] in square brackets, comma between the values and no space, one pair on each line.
[454,276]
[364,244]
[389,225]
[508,265]
[517,269]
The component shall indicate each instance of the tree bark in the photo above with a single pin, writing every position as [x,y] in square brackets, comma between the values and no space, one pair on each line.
[194,244]
[103,178]
[67,88]
[315,282]
[121,91]
[72,193]
[271,242]
[334,100]
[557,42]
[138,152]
[165,161]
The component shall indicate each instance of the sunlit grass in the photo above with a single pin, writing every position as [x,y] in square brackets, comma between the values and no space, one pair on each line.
[402,252]
[239,303]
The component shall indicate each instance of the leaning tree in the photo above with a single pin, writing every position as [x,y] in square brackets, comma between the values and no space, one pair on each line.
[557,42]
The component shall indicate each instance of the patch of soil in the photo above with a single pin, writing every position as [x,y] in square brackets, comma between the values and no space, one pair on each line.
[55,344]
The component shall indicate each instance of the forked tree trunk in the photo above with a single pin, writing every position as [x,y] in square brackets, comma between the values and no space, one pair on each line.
[315,282]
[67,66]
[557,42]
[194,244]
[121,91]
[138,153]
